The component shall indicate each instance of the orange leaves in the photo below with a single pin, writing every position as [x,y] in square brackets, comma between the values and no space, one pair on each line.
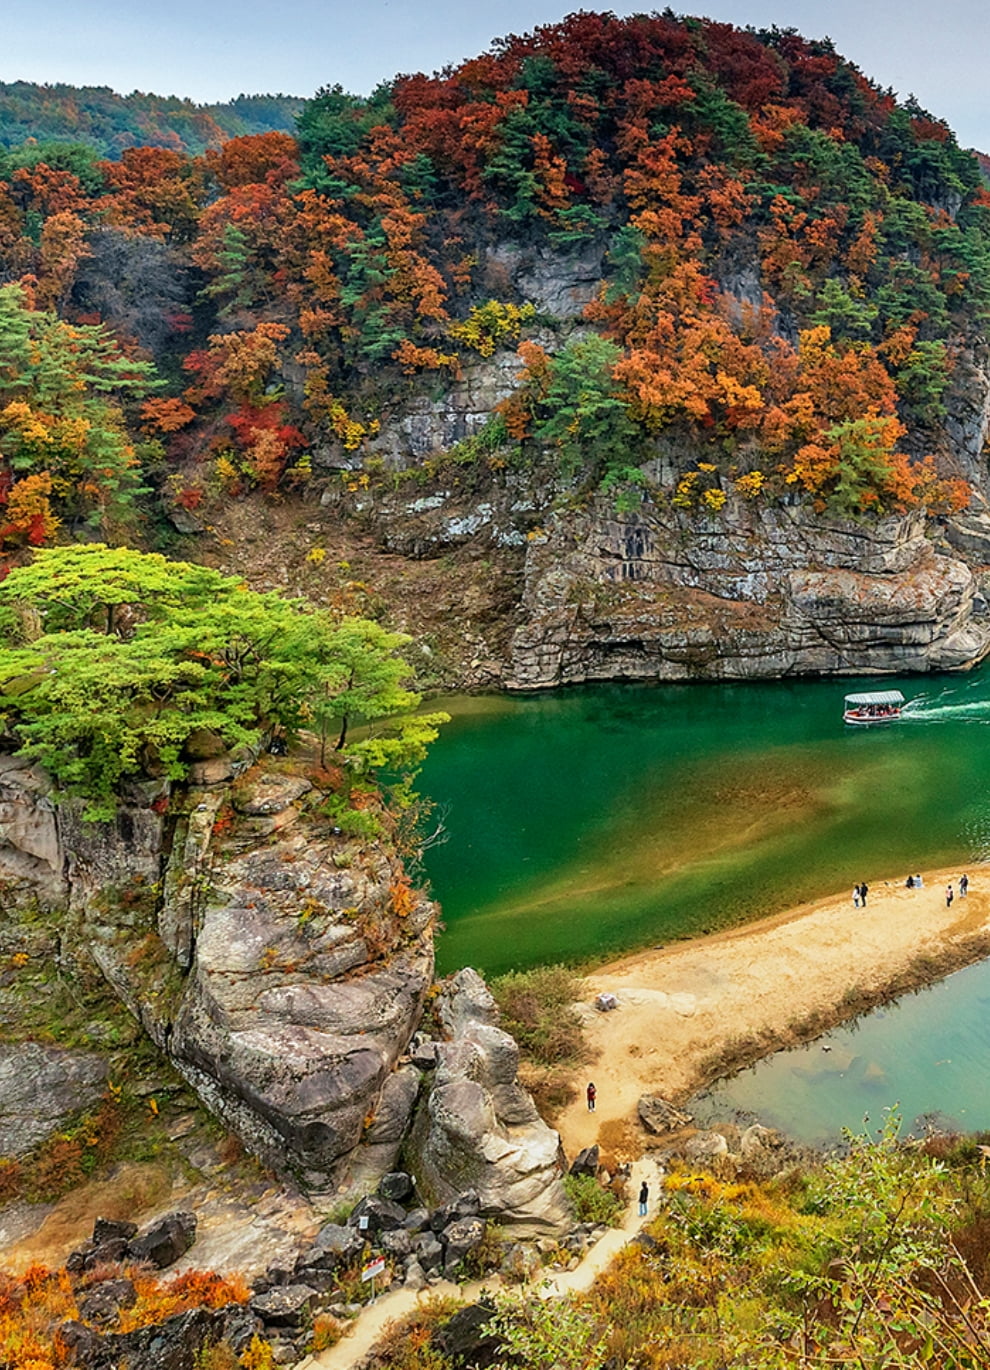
[237,364]
[28,516]
[33,1307]
[259,157]
[412,358]
[165,415]
[402,898]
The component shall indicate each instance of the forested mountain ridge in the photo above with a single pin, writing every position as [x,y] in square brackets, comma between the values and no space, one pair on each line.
[699,274]
[100,118]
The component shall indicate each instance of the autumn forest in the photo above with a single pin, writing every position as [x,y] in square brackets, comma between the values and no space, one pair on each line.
[793,262]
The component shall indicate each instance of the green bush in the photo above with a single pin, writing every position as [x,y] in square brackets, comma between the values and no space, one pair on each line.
[592,1203]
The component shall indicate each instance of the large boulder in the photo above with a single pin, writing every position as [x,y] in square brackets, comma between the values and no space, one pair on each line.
[274,967]
[478,1128]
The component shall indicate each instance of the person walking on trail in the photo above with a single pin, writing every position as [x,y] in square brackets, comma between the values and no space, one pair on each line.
[592,1092]
[864,890]
[963,886]
[644,1198]
[856,896]
[949,896]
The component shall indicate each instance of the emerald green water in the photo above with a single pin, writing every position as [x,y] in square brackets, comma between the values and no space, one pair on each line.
[598,820]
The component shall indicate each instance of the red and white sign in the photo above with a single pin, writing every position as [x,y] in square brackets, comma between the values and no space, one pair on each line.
[373,1269]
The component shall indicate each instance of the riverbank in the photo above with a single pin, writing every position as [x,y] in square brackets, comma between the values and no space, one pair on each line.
[699,1009]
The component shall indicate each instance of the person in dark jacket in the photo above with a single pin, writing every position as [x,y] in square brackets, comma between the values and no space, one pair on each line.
[644,1198]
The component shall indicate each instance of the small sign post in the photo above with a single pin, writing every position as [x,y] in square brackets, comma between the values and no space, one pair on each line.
[373,1268]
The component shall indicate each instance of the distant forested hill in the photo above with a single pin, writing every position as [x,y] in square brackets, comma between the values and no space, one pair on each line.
[108,122]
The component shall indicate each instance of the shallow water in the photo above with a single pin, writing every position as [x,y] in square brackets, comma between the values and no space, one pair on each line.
[597,820]
[927,1054]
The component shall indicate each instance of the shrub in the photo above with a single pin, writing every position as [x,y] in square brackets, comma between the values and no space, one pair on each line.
[592,1203]
[537,1007]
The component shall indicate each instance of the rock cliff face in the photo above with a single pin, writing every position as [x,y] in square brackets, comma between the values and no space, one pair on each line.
[768,592]
[260,948]
[283,969]
[759,590]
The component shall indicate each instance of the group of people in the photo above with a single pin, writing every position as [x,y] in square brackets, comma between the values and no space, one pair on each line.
[915,882]
[860,892]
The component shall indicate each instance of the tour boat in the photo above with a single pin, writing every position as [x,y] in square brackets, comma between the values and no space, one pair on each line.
[876,706]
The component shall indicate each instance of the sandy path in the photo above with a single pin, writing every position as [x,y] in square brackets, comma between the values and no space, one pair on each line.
[681,1004]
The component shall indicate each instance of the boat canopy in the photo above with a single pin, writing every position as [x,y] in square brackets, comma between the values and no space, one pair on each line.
[876,697]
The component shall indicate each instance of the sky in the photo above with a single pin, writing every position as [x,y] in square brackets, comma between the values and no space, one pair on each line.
[216,49]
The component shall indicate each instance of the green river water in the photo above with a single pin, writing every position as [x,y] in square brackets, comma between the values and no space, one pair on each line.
[598,820]
[593,821]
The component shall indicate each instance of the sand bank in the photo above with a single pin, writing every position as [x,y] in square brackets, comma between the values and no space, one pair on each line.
[694,1010]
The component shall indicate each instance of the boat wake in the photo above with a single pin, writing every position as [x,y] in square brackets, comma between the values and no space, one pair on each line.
[945,709]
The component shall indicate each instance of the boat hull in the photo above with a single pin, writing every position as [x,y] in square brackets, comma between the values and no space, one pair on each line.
[870,721]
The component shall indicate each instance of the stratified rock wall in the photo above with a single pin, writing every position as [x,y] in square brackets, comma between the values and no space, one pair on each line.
[757,592]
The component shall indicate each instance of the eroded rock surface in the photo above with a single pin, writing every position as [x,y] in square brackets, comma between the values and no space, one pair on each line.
[479,1129]
[40,1087]
[760,592]
[258,946]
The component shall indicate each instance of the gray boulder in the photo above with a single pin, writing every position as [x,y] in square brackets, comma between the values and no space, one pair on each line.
[472,1132]
[165,1241]
[382,1214]
[40,1088]
[459,1240]
[586,1161]
[287,1306]
[659,1116]
[706,1147]
[397,1186]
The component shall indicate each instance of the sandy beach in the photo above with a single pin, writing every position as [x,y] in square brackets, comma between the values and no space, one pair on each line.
[739,994]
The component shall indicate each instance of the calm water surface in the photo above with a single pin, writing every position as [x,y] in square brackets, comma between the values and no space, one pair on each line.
[603,819]
[597,820]
[927,1054]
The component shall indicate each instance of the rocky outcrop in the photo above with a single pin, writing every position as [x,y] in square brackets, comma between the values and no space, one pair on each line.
[478,1129]
[40,1087]
[257,945]
[757,592]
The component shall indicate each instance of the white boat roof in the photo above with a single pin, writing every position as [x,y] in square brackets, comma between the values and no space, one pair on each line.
[877,697]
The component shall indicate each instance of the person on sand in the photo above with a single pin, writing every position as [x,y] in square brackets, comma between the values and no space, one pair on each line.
[591,1092]
[644,1198]
[856,896]
[963,886]
[864,890]
[949,896]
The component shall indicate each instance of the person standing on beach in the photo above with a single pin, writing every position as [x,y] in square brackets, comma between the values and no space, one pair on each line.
[948,896]
[856,896]
[644,1198]
[963,886]
[864,890]
[591,1092]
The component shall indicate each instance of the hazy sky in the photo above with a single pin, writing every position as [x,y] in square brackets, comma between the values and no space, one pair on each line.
[214,49]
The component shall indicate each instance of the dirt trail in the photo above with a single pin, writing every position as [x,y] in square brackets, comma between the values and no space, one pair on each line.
[681,1005]
[366,1330]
